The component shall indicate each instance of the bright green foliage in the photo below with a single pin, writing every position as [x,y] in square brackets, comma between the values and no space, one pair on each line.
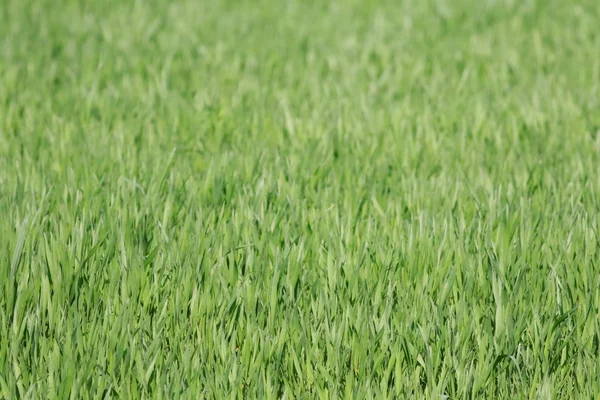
[299,199]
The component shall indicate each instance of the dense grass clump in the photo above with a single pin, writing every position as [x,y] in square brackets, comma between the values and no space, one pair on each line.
[299,199]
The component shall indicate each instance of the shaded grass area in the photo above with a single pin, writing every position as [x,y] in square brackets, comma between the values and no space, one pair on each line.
[271,199]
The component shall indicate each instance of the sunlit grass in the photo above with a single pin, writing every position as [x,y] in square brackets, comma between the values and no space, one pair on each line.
[267,199]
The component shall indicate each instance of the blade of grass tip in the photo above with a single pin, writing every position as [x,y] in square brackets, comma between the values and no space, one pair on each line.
[19,248]
[92,251]
[150,257]
[168,167]
[501,358]
[12,281]
[563,317]
[149,370]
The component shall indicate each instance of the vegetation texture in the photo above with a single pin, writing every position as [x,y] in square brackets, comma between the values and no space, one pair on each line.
[299,199]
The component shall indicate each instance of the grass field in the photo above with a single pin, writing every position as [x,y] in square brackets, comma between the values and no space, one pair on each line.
[300,199]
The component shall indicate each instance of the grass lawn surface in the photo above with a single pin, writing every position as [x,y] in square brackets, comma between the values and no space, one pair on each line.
[300,199]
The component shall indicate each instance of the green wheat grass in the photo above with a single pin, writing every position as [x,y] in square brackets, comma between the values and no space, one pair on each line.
[299,199]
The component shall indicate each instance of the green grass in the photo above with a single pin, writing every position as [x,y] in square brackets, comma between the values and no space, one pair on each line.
[299,199]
